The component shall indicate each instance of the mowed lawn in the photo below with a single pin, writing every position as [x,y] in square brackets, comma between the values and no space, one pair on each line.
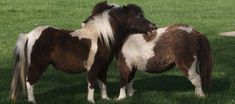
[210,17]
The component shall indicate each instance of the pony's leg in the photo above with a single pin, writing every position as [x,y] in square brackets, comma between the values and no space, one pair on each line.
[90,95]
[103,90]
[130,89]
[124,73]
[195,79]
[102,81]
[92,75]
[31,97]
[35,71]
[122,93]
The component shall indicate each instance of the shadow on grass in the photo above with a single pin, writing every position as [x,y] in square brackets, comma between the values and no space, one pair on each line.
[177,83]
[63,94]
[165,83]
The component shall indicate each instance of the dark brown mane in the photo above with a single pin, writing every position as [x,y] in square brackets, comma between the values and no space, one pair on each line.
[99,8]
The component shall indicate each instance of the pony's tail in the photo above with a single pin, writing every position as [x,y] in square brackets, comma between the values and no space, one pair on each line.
[205,63]
[18,74]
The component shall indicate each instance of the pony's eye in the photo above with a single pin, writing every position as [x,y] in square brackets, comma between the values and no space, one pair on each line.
[140,15]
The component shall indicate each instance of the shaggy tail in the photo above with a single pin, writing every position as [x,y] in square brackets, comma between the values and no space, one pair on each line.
[205,63]
[18,80]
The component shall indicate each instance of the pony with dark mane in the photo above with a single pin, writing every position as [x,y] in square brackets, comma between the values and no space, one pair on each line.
[89,49]
[176,45]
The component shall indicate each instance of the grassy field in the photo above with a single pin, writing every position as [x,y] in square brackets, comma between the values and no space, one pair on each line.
[209,16]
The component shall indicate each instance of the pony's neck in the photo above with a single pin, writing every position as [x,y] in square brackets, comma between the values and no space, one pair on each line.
[100,26]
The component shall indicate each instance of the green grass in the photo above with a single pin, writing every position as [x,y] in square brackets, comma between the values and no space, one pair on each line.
[209,16]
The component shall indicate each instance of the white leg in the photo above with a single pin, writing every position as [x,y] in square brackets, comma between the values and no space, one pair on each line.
[103,90]
[90,96]
[130,90]
[195,79]
[30,93]
[122,94]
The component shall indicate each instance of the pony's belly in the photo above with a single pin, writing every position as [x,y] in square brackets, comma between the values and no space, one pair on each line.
[71,67]
[71,61]
[136,60]
[159,67]
[74,71]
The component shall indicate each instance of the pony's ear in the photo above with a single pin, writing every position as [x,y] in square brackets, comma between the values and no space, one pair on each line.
[133,7]
[124,7]
[105,1]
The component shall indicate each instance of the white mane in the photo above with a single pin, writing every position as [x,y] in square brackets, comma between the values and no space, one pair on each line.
[100,27]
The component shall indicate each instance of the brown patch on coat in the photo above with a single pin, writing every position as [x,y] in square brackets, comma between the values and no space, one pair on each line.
[150,36]
[178,47]
[174,47]
[59,48]
[125,71]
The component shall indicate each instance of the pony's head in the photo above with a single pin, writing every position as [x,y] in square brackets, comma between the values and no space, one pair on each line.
[114,22]
[132,17]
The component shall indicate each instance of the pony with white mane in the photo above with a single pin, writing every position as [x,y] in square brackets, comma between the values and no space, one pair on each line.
[176,45]
[89,49]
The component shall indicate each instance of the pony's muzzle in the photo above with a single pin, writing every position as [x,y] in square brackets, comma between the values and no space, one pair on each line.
[153,26]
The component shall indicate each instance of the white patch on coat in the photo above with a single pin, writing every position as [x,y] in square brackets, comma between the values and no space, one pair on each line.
[32,37]
[86,34]
[195,79]
[98,27]
[90,95]
[130,89]
[187,29]
[103,90]
[122,93]
[30,93]
[101,27]
[136,50]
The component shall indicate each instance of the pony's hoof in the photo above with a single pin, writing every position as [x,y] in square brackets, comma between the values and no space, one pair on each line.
[131,93]
[105,98]
[200,95]
[91,101]
[32,102]
[120,98]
